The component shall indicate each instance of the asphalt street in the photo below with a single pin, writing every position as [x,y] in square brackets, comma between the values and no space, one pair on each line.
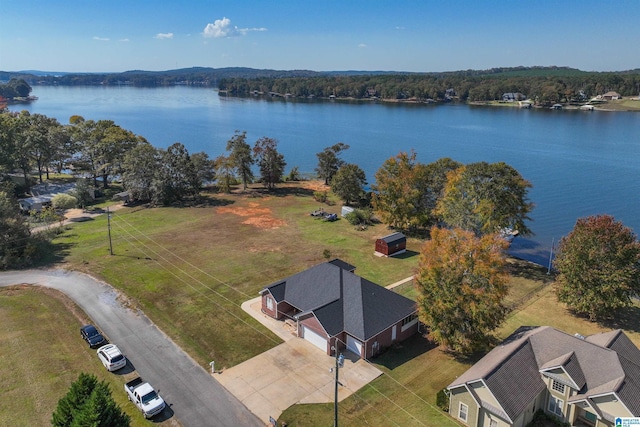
[192,396]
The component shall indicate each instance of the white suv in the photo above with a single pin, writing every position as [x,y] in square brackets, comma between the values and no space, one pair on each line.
[111,357]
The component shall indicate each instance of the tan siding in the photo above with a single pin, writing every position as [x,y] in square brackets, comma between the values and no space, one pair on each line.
[461,395]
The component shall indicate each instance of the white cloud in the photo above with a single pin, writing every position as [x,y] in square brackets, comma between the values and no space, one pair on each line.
[400,28]
[362,45]
[123,40]
[102,39]
[223,28]
[164,36]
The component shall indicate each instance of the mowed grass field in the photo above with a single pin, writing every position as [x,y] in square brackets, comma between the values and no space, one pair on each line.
[42,353]
[189,269]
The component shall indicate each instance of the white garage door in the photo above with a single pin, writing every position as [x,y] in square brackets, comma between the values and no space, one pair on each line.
[314,338]
[354,345]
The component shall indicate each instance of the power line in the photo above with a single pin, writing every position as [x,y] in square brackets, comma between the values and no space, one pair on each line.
[353,393]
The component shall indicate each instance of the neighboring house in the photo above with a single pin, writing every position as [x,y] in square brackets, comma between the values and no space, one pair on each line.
[611,95]
[332,307]
[513,96]
[35,204]
[43,194]
[583,381]
[391,245]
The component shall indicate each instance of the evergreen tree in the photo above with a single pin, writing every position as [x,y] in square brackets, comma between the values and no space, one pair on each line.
[88,403]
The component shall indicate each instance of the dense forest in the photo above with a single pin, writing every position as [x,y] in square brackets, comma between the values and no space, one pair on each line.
[535,84]
[543,85]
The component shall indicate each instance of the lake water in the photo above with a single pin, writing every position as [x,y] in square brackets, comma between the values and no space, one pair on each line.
[580,163]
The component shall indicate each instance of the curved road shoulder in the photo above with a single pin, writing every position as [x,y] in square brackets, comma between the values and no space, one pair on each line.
[195,398]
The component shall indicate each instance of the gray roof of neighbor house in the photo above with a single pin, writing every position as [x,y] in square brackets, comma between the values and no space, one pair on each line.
[343,301]
[599,364]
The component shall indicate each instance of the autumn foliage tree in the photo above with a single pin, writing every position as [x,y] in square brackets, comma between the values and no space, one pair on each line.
[406,192]
[461,286]
[599,267]
[485,198]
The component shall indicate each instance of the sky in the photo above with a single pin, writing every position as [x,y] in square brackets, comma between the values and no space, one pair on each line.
[319,35]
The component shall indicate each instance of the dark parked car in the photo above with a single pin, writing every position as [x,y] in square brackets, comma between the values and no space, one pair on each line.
[91,335]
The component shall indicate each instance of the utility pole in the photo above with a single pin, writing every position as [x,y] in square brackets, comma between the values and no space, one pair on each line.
[109,231]
[339,364]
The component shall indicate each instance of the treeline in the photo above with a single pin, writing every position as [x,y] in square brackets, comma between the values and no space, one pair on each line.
[195,76]
[15,88]
[462,86]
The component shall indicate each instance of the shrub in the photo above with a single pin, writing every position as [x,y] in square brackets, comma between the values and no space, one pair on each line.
[359,217]
[442,400]
[320,196]
[64,201]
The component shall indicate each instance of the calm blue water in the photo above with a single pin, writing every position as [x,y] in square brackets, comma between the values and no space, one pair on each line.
[580,163]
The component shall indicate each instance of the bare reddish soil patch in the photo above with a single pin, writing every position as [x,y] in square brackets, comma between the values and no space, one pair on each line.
[256,215]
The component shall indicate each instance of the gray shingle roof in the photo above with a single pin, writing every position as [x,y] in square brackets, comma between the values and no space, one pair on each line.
[602,363]
[343,301]
[394,237]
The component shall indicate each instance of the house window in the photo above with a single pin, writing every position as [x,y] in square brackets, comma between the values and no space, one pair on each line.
[558,386]
[270,303]
[493,423]
[409,319]
[555,405]
[464,411]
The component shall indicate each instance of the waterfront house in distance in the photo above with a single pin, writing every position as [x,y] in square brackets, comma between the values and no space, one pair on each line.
[611,96]
[330,306]
[513,96]
[585,381]
[393,244]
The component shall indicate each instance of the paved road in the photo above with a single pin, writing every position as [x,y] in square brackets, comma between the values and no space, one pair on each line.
[194,398]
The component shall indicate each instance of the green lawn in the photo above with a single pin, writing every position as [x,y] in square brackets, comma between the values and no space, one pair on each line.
[42,354]
[189,269]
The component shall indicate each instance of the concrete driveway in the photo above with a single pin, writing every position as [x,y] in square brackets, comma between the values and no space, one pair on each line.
[191,395]
[293,372]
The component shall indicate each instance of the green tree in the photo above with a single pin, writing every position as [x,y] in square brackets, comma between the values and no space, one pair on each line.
[485,198]
[224,173]
[83,192]
[461,287]
[241,157]
[41,147]
[88,403]
[599,267]
[329,161]
[348,183]
[204,166]
[176,178]
[269,160]
[14,231]
[139,170]
[102,147]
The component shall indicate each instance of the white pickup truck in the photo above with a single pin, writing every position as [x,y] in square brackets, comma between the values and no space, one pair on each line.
[144,397]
